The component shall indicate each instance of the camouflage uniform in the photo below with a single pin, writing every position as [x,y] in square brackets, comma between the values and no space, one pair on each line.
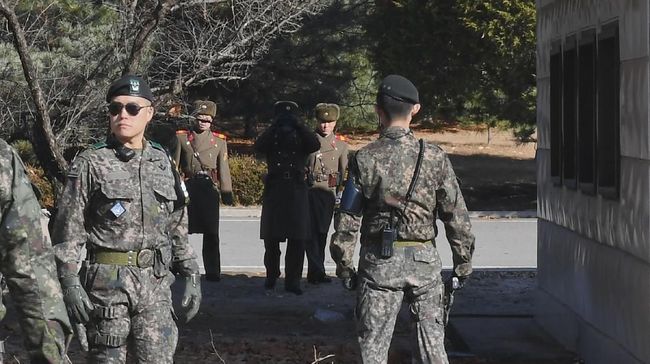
[382,169]
[203,160]
[114,206]
[28,264]
[326,169]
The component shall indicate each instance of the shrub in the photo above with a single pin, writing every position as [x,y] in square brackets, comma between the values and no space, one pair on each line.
[247,175]
[524,133]
[44,186]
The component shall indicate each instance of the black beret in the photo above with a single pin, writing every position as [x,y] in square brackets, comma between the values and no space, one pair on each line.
[327,112]
[129,85]
[205,107]
[285,107]
[400,89]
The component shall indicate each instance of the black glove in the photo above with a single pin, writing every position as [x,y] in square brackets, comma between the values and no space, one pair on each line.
[227,199]
[192,296]
[350,282]
[76,299]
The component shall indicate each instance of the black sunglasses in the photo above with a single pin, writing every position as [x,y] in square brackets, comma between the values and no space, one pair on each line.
[133,109]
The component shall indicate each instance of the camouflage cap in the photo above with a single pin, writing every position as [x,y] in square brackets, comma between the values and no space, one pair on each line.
[400,89]
[327,112]
[204,107]
[129,85]
[285,107]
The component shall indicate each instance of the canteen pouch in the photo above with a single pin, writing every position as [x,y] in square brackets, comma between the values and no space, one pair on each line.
[388,236]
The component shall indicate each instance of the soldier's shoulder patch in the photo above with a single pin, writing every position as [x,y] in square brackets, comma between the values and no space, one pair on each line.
[220,135]
[182,132]
[99,145]
[341,138]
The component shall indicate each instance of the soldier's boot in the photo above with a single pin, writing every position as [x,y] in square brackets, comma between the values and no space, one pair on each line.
[211,257]
[293,266]
[316,263]
[271,262]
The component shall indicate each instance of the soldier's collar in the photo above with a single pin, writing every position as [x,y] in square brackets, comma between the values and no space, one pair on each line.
[395,132]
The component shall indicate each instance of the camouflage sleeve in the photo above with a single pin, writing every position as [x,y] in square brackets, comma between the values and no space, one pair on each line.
[27,261]
[224,169]
[69,234]
[453,213]
[183,258]
[344,240]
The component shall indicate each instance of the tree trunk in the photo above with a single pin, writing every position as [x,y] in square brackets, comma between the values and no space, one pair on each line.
[48,152]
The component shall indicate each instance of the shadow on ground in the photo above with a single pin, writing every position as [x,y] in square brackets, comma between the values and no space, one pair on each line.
[240,322]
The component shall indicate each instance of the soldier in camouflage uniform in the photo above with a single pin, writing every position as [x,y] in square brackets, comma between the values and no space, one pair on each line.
[285,206]
[325,172]
[27,262]
[124,201]
[202,157]
[376,190]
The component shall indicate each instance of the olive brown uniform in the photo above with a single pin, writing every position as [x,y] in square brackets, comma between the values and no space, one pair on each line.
[126,206]
[27,263]
[285,206]
[325,172]
[202,157]
[375,194]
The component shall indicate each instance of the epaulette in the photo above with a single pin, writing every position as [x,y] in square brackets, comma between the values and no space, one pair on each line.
[182,131]
[99,145]
[341,138]
[220,135]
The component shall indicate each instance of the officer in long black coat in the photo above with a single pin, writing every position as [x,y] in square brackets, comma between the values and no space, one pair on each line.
[285,205]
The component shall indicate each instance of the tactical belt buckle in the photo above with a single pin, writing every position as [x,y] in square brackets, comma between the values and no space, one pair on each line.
[286,175]
[145,258]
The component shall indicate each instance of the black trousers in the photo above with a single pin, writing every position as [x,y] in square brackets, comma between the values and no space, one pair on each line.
[211,254]
[315,251]
[293,260]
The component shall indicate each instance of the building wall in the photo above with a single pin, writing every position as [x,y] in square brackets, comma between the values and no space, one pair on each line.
[594,253]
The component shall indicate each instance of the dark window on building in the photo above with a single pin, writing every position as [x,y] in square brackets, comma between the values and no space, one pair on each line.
[587,111]
[608,111]
[570,111]
[556,112]
[584,112]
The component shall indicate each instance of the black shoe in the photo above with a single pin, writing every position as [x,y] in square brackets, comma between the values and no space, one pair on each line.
[213,277]
[269,283]
[293,289]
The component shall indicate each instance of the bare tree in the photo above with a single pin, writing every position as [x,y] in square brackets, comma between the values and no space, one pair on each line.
[78,51]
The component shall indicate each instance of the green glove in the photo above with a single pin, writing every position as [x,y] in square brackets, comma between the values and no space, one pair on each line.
[192,296]
[76,299]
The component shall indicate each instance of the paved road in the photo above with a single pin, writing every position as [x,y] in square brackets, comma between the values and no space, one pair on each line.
[501,243]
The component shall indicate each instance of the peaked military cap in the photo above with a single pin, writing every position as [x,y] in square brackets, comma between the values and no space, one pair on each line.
[204,107]
[129,85]
[285,107]
[400,89]
[327,112]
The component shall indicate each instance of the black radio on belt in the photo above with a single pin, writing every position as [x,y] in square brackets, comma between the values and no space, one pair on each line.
[388,236]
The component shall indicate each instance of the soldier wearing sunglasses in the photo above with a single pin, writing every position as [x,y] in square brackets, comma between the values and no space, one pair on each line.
[124,201]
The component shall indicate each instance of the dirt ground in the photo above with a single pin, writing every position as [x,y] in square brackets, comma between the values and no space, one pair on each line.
[240,322]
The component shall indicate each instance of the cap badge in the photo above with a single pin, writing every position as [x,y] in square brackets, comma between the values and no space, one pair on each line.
[135,85]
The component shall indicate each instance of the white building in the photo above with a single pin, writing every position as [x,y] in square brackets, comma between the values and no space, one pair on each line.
[594,177]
